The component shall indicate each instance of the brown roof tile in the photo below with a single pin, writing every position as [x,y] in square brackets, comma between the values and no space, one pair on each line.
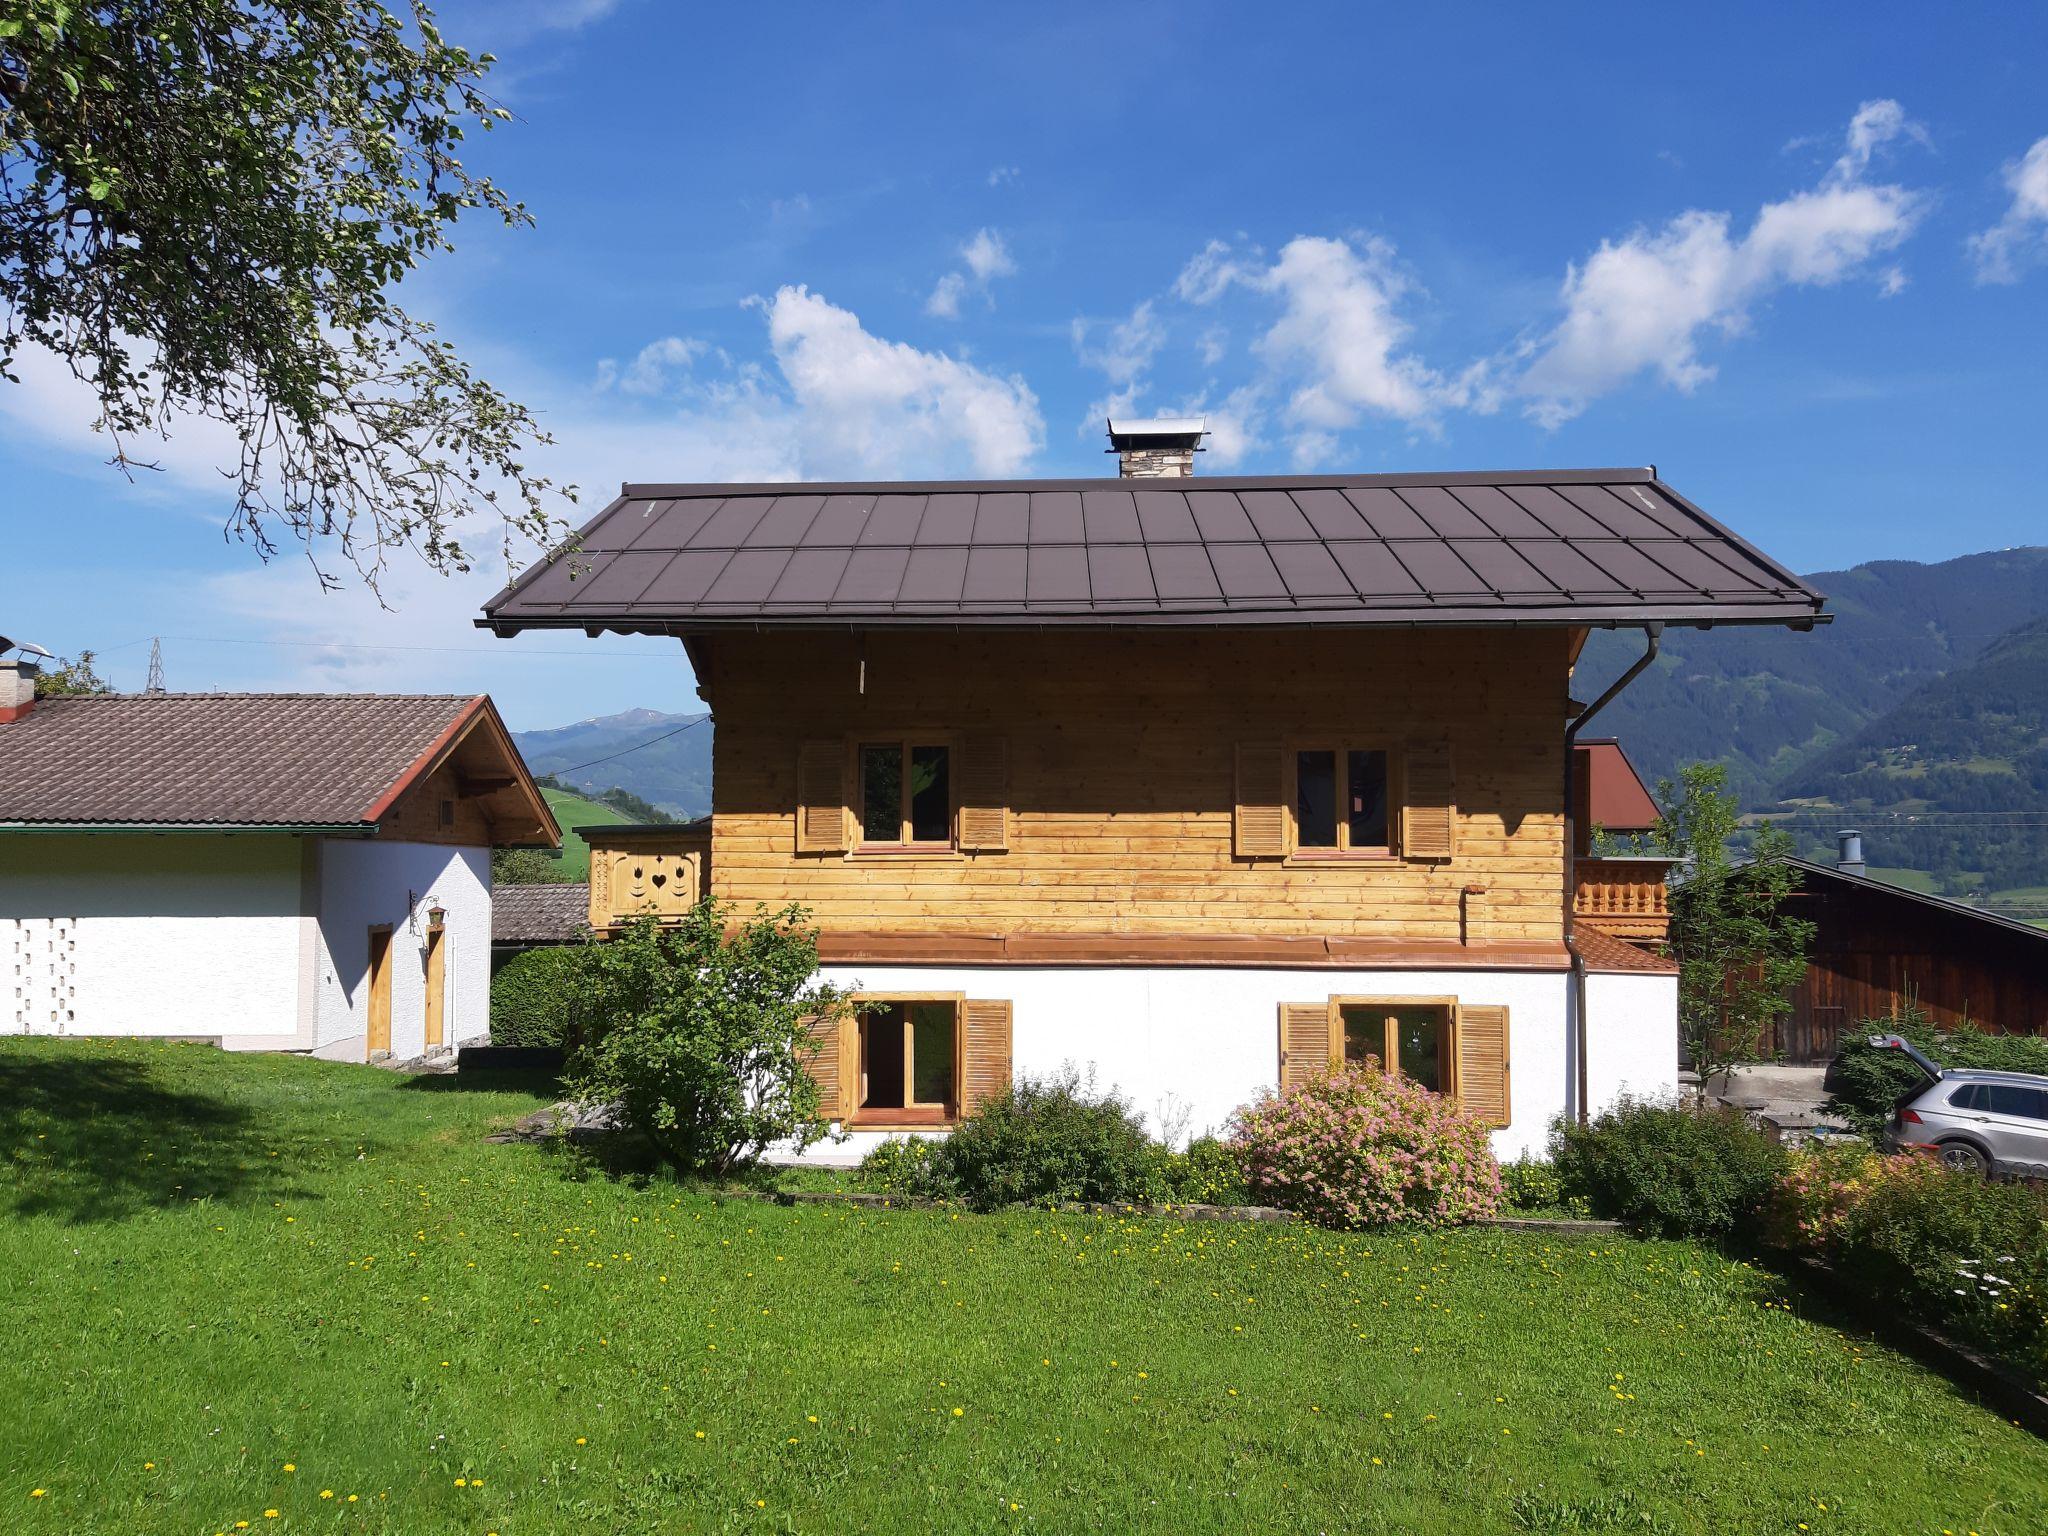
[233,759]
[1604,953]
[538,914]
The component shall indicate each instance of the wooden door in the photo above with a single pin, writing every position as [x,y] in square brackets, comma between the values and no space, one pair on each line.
[380,991]
[435,985]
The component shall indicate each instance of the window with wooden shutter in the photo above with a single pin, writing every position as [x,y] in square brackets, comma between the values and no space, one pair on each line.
[1259,819]
[1481,1060]
[985,1032]
[822,1053]
[982,782]
[821,797]
[1305,1047]
[1429,810]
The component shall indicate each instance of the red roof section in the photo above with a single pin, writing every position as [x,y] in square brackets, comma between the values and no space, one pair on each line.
[1619,801]
[1604,954]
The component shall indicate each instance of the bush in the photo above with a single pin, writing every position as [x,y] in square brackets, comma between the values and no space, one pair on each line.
[1358,1147]
[1669,1169]
[1865,1081]
[1208,1173]
[701,1037]
[1952,1248]
[534,994]
[1529,1184]
[1048,1140]
[908,1167]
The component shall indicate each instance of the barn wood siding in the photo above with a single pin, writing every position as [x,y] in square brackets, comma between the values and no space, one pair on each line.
[1122,778]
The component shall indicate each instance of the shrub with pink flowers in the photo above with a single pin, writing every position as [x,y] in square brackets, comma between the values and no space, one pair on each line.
[1358,1147]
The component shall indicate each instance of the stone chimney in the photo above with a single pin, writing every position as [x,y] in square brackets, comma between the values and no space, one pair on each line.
[1849,854]
[17,688]
[1157,450]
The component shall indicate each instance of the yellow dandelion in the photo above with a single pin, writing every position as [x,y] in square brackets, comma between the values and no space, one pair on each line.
[326,1493]
[958,1412]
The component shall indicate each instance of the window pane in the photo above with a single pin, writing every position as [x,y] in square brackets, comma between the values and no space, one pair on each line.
[1365,1036]
[931,796]
[1366,803]
[1315,799]
[2011,1099]
[881,793]
[1418,1045]
[881,1042]
[1965,1097]
[931,1052]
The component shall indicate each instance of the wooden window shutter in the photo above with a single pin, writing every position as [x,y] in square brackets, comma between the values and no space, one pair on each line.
[1481,1060]
[1259,820]
[1429,806]
[821,797]
[1305,1043]
[985,1063]
[983,780]
[824,1057]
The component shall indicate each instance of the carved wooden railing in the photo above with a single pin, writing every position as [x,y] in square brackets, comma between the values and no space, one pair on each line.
[1623,896]
[660,869]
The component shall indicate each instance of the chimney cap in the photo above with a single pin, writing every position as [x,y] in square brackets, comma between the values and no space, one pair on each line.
[1157,432]
[26,647]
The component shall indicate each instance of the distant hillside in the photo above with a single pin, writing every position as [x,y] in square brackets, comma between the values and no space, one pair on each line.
[664,759]
[1771,701]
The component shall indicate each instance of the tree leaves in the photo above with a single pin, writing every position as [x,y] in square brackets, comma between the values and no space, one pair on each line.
[204,208]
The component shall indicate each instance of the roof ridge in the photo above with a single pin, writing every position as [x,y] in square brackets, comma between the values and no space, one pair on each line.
[240,693]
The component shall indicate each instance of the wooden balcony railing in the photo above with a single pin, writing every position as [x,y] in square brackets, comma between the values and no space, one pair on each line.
[1623,896]
[657,868]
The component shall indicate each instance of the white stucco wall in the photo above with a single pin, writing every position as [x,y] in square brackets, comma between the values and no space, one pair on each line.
[178,934]
[1631,1038]
[1188,1045]
[370,883]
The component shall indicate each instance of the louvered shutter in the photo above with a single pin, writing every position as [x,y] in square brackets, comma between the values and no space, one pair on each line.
[821,797]
[1429,809]
[1259,821]
[824,1058]
[1304,1043]
[1481,1057]
[983,784]
[985,1031]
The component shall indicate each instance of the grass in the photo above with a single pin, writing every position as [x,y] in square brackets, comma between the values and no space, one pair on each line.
[235,1285]
[572,811]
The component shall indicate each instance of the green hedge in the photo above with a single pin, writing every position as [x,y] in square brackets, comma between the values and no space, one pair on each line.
[1673,1170]
[532,995]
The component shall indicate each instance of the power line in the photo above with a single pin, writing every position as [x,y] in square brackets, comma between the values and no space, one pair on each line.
[627,752]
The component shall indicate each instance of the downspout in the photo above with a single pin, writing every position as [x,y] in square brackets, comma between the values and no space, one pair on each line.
[1652,634]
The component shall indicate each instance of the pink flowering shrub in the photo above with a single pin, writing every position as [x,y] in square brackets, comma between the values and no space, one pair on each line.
[1358,1147]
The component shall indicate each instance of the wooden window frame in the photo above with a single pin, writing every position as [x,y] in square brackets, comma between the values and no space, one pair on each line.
[1447,1059]
[1343,853]
[905,846]
[911,1116]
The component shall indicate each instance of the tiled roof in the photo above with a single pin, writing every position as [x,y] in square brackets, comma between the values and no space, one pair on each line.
[1560,546]
[224,759]
[1604,953]
[538,914]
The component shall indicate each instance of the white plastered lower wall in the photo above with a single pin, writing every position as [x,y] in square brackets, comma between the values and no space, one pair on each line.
[1631,1037]
[371,884]
[1188,1045]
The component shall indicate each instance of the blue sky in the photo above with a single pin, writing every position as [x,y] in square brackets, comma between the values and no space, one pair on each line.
[1798,262]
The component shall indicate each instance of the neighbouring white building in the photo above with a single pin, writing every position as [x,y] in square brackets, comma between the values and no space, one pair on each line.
[292,872]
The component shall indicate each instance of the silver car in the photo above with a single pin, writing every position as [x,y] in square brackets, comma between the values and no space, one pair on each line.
[1986,1122]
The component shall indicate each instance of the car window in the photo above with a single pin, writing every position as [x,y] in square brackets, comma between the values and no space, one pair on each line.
[1969,1096]
[2011,1099]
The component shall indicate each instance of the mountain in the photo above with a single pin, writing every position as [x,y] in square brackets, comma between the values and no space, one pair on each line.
[1770,702]
[664,759]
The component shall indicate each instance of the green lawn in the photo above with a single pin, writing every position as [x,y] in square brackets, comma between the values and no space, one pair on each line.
[572,811]
[233,1285]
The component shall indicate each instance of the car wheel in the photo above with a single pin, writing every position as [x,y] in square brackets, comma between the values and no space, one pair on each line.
[1963,1157]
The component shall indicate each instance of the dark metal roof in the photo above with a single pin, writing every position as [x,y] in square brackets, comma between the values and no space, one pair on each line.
[1605,546]
[1922,898]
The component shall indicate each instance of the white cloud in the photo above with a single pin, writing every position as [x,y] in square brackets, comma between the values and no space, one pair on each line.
[987,258]
[1003,173]
[2022,235]
[654,369]
[1644,303]
[1128,347]
[1212,344]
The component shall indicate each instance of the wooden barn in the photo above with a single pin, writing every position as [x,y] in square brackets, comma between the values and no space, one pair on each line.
[1877,948]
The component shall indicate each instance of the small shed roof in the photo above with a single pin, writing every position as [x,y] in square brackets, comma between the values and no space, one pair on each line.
[1593,546]
[293,762]
[539,914]
[1617,798]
